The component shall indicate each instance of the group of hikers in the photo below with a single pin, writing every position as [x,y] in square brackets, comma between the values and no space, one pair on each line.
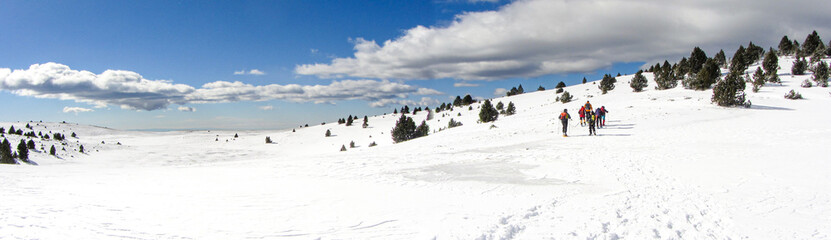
[593,118]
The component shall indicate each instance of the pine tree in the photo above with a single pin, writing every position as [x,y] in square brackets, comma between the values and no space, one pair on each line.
[500,106]
[511,110]
[520,90]
[706,77]
[771,64]
[395,111]
[737,64]
[30,144]
[406,110]
[458,101]
[821,74]
[488,113]
[328,133]
[584,80]
[351,144]
[12,131]
[81,149]
[607,83]
[6,153]
[799,67]
[343,148]
[561,84]
[697,59]
[467,100]
[720,59]
[22,150]
[453,123]
[422,129]
[638,82]
[540,88]
[752,54]
[404,129]
[52,150]
[730,90]
[785,46]
[812,44]
[236,135]
[366,122]
[267,139]
[758,79]
[349,121]
[74,135]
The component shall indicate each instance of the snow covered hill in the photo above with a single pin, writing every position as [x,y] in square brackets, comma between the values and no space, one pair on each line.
[669,165]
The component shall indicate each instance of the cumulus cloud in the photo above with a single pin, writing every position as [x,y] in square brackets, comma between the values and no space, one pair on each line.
[187,109]
[465,84]
[76,110]
[266,108]
[112,87]
[538,37]
[368,90]
[131,91]
[251,72]
[499,92]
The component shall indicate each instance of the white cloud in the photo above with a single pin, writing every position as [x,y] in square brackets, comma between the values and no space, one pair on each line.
[131,91]
[314,50]
[266,108]
[465,84]
[186,109]
[537,37]
[499,92]
[112,87]
[76,110]
[251,72]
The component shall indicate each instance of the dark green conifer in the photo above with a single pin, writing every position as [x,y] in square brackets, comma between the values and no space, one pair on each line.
[488,113]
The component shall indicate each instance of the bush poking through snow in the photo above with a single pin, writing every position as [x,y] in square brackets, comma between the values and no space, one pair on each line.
[807,84]
[453,123]
[267,139]
[22,150]
[52,150]
[372,144]
[821,74]
[343,148]
[328,133]
[565,98]
[793,95]
[351,144]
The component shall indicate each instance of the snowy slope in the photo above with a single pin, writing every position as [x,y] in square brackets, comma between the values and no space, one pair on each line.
[669,165]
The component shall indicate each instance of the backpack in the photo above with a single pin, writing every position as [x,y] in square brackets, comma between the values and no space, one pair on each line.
[563,116]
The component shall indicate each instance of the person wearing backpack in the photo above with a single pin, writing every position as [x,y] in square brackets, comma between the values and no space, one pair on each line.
[590,119]
[564,117]
[602,120]
[582,113]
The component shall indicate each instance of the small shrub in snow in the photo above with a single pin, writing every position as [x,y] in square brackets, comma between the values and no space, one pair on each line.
[565,98]
[352,144]
[500,106]
[453,123]
[372,144]
[81,149]
[559,90]
[328,133]
[52,150]
[22,150]
[807,84]
[236,135]
[793,95]
[343,148]
[30,144]
[267,139]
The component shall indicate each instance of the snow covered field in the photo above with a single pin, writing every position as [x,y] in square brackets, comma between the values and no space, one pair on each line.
[669,165]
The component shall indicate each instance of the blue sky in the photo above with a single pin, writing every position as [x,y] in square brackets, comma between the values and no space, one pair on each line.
[279,64]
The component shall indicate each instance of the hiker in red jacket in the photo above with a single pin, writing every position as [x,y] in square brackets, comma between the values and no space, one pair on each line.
[582,113]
